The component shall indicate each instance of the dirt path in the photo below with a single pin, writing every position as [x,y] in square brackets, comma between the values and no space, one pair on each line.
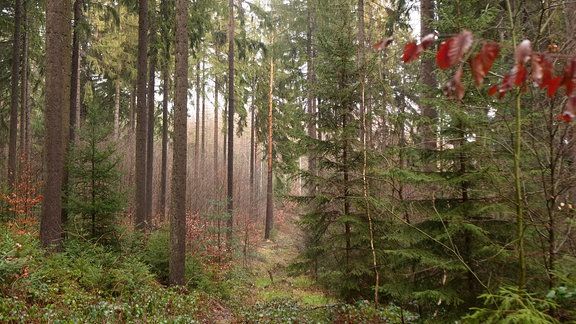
[269,280]
[273,257]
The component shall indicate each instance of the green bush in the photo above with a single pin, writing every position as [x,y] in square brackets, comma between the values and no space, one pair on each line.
[87,283]
[156,255]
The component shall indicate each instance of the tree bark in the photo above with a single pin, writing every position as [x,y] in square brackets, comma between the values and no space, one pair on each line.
[253,207]
[14,95]
[132,121]
[231,99]
[163,168]
[195,199]
[360,56]
[269,188]
[203,131]
[117,108]
[75,78]
[310,95]
[25,137]
[51,221]
[179,173]
[141,115]
[426,68]
[216,167]
[152,58]
[66,52]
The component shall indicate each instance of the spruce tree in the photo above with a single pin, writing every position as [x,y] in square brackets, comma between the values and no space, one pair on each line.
[335,223]
[95,198]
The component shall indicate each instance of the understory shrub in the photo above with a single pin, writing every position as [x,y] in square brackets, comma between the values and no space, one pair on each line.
[156,255]
[86,283]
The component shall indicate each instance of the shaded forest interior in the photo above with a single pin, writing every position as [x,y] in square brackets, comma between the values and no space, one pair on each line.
[288,161]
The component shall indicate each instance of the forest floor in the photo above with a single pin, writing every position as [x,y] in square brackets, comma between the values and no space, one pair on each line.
[272,260]
[90,283]
[272,286]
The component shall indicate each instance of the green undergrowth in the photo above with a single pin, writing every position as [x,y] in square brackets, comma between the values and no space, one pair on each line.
[271,293]
[87,283]
[91,283]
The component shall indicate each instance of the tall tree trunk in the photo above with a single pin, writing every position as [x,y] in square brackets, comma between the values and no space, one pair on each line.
[25,137]
[231,99]
[179,173]
[269,188]
[216,167]
[117,108]
[203,131]
[195,199]
[66,52]
[310,95]
[51,221]
[225,130]
[426,69]
[360,56]
[216,135]
[75,78]
[346,193]
[253,209]
[152,57]
[14,95]
[141,114]
[163,168]
[132,117]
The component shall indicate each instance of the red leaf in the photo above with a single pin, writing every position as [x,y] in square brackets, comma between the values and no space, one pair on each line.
[411,52]
[507,82]
[542,70]
[520,75]
[553,85]
[461,45]
[455,85]
[459,88]
[443,58]
[523,52]
[427,41]
[563,117]
[452,50]
[482,63]
[493,90]
[383,44]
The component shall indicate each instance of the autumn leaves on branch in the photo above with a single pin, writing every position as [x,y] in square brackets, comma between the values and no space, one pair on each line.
[528,64]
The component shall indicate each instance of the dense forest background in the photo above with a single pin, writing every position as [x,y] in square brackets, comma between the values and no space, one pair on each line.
[416,156]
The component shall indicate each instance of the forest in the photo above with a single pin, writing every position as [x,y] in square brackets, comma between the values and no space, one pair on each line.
[287,161]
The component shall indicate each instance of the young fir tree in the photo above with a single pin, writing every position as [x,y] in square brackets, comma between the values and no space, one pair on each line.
[334,223]
[95,197]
